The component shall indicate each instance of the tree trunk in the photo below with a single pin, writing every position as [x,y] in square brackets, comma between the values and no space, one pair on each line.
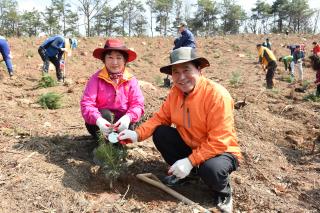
[316,22]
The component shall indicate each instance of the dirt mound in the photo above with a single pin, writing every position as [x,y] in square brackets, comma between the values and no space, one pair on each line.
[46,154]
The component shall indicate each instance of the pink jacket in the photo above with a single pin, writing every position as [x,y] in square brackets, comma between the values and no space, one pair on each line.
[102,93]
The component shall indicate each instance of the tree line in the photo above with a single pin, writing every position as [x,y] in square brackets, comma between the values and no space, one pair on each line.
[156,17]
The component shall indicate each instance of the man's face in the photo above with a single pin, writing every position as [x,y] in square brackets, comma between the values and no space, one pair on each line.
[185,76]
[115,62]
[181,29]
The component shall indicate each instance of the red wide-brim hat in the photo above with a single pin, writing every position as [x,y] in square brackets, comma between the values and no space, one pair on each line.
[114,44]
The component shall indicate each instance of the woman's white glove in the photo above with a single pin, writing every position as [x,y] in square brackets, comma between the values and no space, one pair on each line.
[104,126]
[122,123]
[126,135]
[181,168]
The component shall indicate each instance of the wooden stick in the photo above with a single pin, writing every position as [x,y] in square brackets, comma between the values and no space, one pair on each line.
[153,180]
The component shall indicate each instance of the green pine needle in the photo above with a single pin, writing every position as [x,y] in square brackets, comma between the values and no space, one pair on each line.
[50,100]
[111,157]
[46,81]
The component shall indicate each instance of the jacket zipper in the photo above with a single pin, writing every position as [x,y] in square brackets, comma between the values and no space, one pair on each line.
[183,109]
[188,116]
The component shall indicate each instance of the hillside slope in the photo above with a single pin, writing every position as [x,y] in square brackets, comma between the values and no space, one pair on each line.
[45,158]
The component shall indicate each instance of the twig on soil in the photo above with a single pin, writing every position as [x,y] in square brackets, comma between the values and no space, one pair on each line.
[25,159]
[125,194]
[285,108]
[13,152]
[74,127]
[260,93]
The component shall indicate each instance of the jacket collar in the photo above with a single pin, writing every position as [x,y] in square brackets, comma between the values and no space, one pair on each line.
[103,74]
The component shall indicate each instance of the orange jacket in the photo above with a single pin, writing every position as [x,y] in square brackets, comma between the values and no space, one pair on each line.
[203,118]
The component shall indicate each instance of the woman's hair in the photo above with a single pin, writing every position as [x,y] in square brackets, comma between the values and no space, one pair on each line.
[280,59]
[315,62]
[108,52]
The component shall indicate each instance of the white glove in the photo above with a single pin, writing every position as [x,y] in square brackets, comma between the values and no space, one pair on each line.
[181,168]
[128,135]
[104,126]
[63,49]
[122,123]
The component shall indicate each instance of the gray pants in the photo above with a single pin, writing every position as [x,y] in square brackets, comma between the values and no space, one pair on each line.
[300,69]
[214,171]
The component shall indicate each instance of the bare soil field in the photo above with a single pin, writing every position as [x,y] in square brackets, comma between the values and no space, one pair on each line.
[45,159]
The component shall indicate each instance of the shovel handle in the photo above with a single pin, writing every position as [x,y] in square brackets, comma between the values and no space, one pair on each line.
[153,180]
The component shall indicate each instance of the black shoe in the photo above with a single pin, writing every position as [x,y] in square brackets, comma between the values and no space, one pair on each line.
[224,203]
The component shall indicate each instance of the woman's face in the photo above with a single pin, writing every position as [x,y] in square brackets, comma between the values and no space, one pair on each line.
[115,62]
[185,76]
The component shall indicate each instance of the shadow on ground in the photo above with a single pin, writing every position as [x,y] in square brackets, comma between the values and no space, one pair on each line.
[73,154]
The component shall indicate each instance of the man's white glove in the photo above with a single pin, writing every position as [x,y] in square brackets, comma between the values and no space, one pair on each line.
[126,135]
[181,168]
[62,49]
[104,126]
[122,123]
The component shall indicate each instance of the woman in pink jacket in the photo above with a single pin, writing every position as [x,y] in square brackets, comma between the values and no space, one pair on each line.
[112,90]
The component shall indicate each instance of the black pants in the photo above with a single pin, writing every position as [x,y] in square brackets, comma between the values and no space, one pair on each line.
[318,90]
[214,171]
[55,60]
[270,73]
[109,116]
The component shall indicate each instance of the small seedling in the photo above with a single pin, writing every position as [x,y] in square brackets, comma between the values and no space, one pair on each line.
[50,100]
[111,159]
[46,81]
[235,79]
[305,84]
[275,90]
[312,97]
[29,54]
[235,47]
[288,78]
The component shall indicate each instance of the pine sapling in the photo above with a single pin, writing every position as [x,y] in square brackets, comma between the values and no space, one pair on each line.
[46,81]
[50,100]
[111,159]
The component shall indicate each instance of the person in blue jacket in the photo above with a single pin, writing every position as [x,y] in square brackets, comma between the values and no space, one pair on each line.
[52,51]
[298,58]
[5,52]
[186,39]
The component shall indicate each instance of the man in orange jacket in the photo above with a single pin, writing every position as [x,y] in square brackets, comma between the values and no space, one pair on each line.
[204,136]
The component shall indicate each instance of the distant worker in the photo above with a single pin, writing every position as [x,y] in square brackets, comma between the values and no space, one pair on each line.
[53,49]
[292,48]
[5,52]
[298,57]
[186,39]
[287,32]
[287,62]
[267,44]
[315,64]
[316,48]
[268,62]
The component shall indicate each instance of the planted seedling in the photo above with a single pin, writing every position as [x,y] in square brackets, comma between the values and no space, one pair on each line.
[111,158]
